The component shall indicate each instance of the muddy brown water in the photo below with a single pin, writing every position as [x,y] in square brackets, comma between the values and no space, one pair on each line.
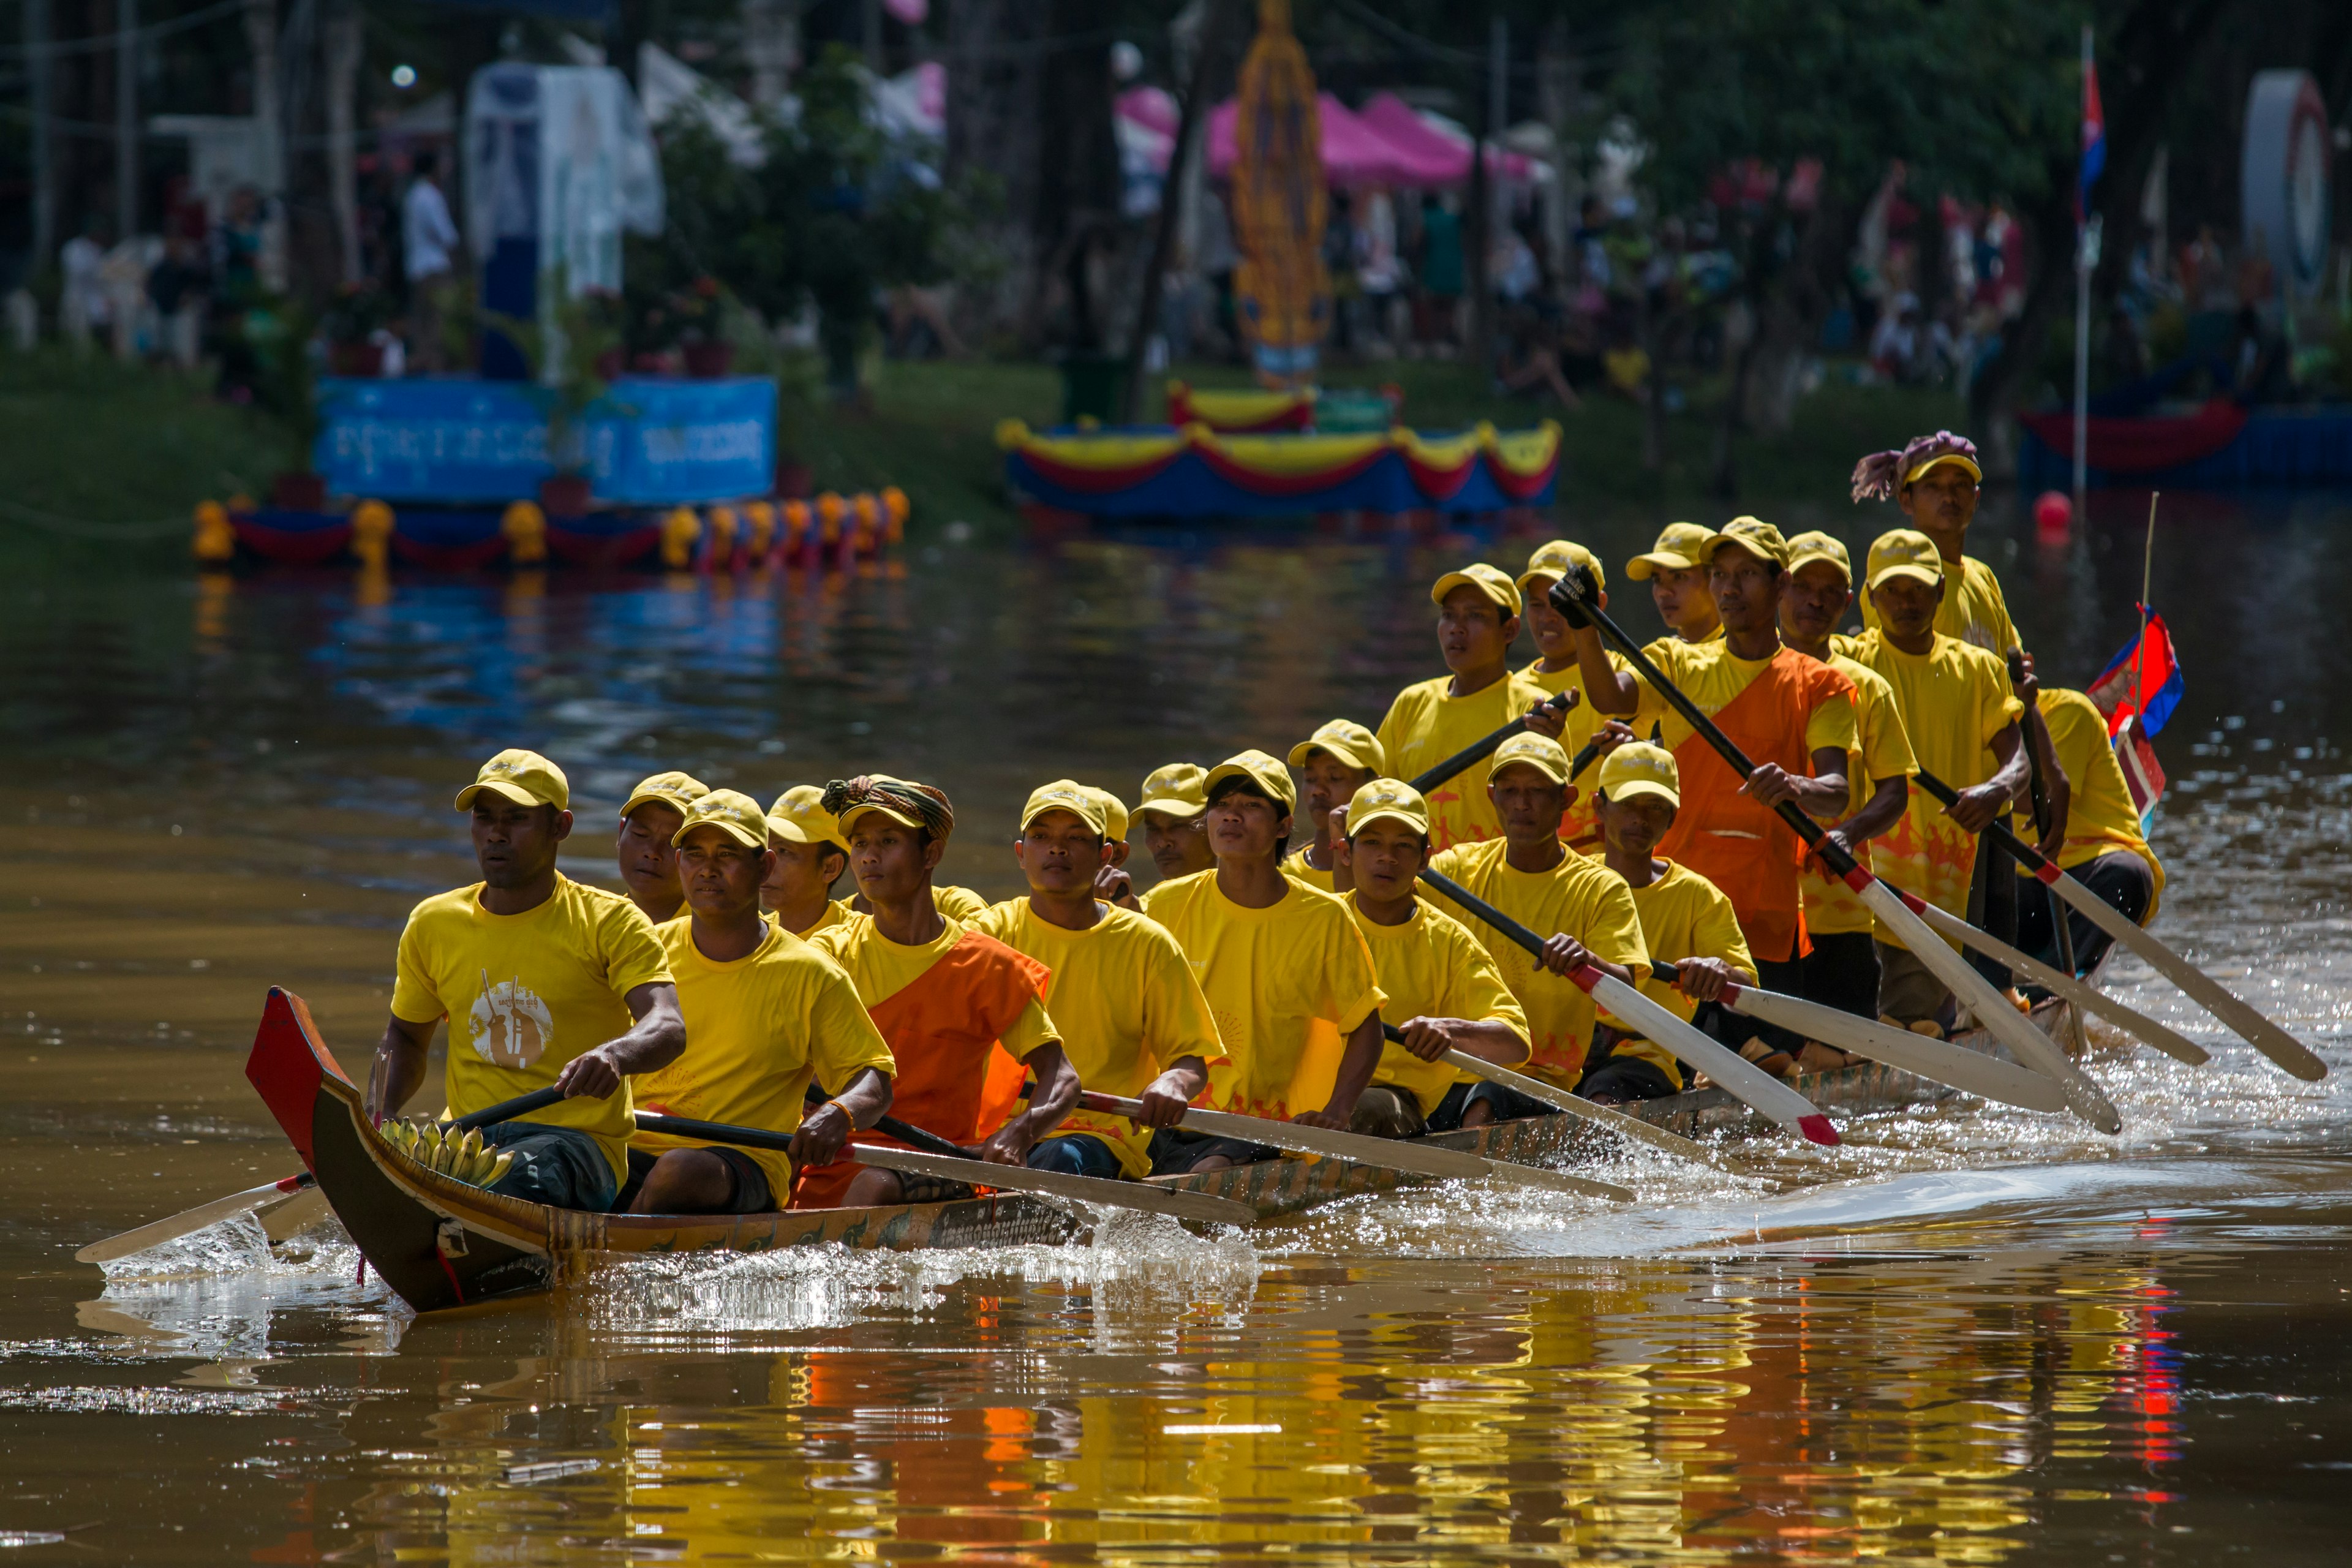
[1967,1335]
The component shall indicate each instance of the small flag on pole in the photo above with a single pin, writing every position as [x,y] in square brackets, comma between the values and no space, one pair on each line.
[2094,134]
[2137,691]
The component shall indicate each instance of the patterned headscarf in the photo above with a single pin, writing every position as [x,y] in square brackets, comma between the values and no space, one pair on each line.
[1880,475]
[925,805]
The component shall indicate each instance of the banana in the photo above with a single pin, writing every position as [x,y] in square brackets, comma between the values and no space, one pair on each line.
[472,1147]
[498,1170]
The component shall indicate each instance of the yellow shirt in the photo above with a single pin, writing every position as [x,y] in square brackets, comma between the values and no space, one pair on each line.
[1831,907]
[1712,677]
[533,991]
[2099,818]
[1953,700]
[1295,867]
[1684,915]
[958,903]
[759,1029]
[1432,967]
[1127,1005]
[1577,827]
[1580,897]
[1287,985]
[835,912]
[1424,726]
[1973,610]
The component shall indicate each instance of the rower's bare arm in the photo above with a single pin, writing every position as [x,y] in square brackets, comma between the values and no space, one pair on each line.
[653,1041]
[1976,807]
[1703,979]
[1823,796]
[824,1132]
[399,1065]
[1546,720]
[1355,1066]
[1057,1091]
[1609,688]
[1564,955]
[1879,813]
[1488,1039]
[1172,1092]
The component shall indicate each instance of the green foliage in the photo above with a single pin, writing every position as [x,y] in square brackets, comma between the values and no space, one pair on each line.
[280,331]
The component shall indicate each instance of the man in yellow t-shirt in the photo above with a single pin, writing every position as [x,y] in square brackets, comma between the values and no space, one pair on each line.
[1132,1018]
[2105,850]
[1842,971]
[809,860]
[1676,570]
[1960,716]
[1439,980]
[1478,618]
[1289,981]
[1336,762]
[546,984]
[1561,668]
[1935,480]
[1175,832]
[1585,907]
[965,1015]
[649,820]
[765,1015]
[1686,921]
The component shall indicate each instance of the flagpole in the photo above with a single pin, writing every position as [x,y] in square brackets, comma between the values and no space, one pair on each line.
[2147,598]
[2083,306]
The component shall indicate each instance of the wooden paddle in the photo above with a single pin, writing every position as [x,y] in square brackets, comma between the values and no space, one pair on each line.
[2088,998]
[2039,788]
[1395,1154]
[1749,1083]
[1938,1061]
[1478,751]
[2026,1043]
[2208,993]
[963,1167]
[1576,1105]
[187,1222]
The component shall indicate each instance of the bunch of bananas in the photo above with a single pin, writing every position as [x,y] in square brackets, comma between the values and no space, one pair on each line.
[437,1147]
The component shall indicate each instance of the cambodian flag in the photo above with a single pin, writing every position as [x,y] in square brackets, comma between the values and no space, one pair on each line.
[2137,691]
[2094,135]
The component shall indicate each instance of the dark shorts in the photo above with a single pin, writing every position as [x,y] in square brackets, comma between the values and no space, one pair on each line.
[1509,1104]
[561,1167]
[1384,1111]
[1842,972]
[750,1194]
[915,1188]
[1175,1153]
[2121,880]
[1076,1154]
[1627,1077]
[1447,1117]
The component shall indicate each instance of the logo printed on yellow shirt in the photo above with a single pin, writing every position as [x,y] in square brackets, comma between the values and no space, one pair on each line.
[511,1027]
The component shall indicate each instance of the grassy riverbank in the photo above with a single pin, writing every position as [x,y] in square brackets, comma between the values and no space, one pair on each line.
[117,455]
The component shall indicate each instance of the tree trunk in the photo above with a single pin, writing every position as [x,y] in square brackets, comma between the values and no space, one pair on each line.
[270,131]
[1994,395]
[345,44]
[1206,62]
[1077,185]
[1791,311]
[1557,77]
[993,136]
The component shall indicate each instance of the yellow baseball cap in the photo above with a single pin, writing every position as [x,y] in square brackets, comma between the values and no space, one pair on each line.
[1677,549]
[523,777]
[1541,752]
[1551,562]
[1114,813]
[1065,794]
[730,809]
[1261,769]
[1491,581]
[1348,741]
[799,816]
[1905,553]
[1753,534]
[1638,767]
[673,789]
[1819,546]
[1959,460]
[1390,798]
[1176,789]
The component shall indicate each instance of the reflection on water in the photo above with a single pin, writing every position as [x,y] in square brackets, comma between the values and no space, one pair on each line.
[1967,1333]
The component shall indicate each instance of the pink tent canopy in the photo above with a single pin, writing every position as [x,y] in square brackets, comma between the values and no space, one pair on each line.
[1395,122]
[1354,153]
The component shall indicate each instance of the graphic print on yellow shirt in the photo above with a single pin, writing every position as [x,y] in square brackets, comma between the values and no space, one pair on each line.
[1972,610]
[1432,967]
[1684,915]
[1953,700]
[1580,897]
[525,994]
[1424,726]
[2099,819]
[1831,907]
[1579,829]
[759,1030]
[1127,1005]
[1287,985]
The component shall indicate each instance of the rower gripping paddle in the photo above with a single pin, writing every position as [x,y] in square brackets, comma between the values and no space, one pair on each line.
[2208,993]
[2025,1042]
[1744,1079]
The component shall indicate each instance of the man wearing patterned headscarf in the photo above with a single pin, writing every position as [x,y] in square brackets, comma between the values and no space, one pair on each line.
[964,1015]
[1934,479]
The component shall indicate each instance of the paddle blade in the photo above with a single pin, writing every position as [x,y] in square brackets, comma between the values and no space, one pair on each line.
[1752,1084]
[1938,1061]
[187,1222]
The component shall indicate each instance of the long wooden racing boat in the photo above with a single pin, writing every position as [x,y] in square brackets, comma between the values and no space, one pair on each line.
[443,1244]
